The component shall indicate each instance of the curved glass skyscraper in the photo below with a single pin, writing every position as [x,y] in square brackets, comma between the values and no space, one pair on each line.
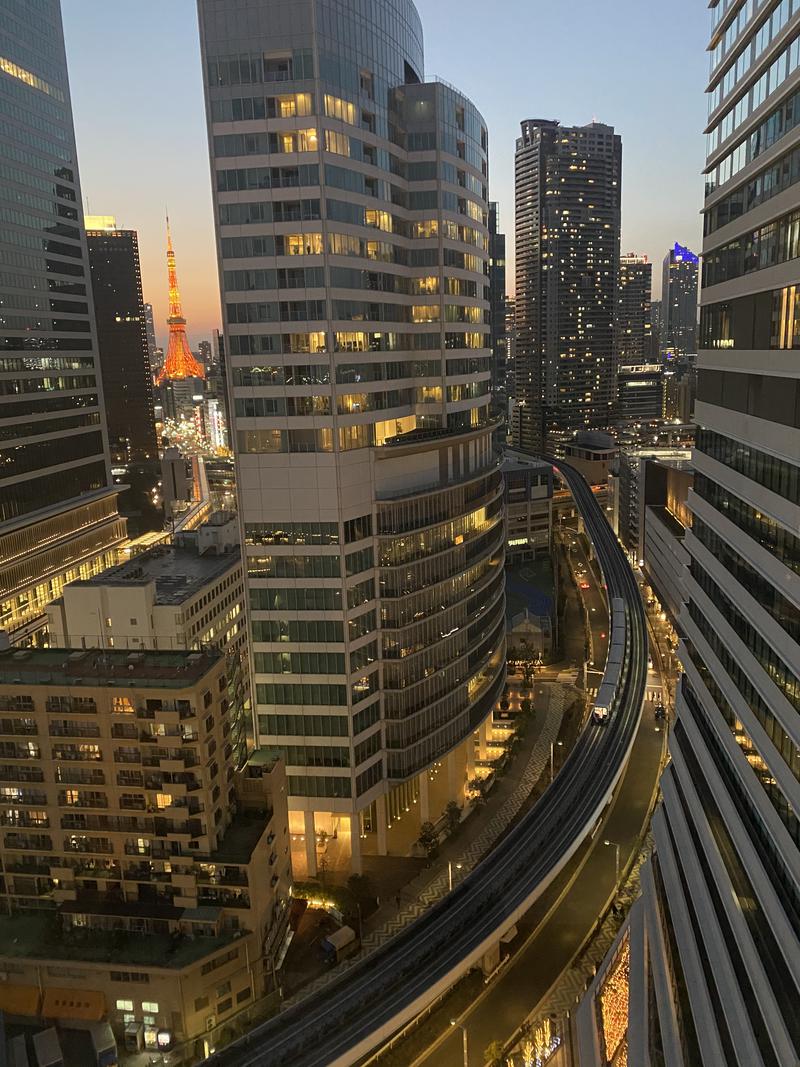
[352,209]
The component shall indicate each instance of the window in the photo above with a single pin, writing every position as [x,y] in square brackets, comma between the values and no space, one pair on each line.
[340,109]
[338,143]
[150,1007]
[124,1005]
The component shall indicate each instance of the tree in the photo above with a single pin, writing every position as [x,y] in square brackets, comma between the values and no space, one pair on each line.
[428,838]
[494,1054]
[360,885]
[452,814]
[526,706]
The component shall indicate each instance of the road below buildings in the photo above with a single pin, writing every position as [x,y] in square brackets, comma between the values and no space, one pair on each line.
[559,923]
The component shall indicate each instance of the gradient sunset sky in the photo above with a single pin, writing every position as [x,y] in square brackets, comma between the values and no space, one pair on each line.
[639,65]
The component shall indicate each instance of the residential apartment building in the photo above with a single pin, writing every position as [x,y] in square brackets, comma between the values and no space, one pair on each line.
[352,229]
[634,326]
[713,945]
[58,508]
[568,183]
[145,867]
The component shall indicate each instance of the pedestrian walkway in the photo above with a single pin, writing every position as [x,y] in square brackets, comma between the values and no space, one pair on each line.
[463,853]
[429,887]
[569,928]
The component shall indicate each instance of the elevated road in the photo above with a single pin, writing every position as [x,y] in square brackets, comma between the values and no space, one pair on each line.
[386,989]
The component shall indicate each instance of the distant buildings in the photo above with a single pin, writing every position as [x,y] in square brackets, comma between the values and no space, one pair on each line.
[186,595]
[58,508]
[640,393]
[568,186]
[628,490]
[529,507]
[151,333]
[679,302]
[633,313]
[666,519]
[497,304]
[122,338]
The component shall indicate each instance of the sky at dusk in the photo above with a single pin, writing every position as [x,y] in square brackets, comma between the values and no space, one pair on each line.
[639,65]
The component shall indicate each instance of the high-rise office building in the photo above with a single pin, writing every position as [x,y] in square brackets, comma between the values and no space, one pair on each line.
[497,303]
[150,326]
[58,509]
[679,301]
[122,339]
[633,317]
[640,393]
[713,945]
[568,187]
[655,330]
[357,334]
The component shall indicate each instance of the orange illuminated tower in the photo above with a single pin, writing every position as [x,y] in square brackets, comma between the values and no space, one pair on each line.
[180,363]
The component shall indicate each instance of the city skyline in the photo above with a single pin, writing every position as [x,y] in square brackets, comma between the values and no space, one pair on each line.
[160,157]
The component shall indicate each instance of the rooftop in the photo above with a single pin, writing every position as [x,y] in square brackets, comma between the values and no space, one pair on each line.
[40,937]
[530,587]
[109,667]
[179,572]
[240,838]
[517,461]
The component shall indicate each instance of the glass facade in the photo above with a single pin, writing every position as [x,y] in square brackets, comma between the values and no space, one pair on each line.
[731,791]
[368,472]
[565,366]
[53,445]
[45,287]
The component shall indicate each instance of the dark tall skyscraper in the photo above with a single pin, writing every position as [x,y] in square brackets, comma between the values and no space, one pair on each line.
[568,187]
[57,507]
[679,301]
[151,331]
[122,339]
[633,320]
[497,303]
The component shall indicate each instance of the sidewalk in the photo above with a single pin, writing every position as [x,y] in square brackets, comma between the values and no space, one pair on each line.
[475,838]
[546,972]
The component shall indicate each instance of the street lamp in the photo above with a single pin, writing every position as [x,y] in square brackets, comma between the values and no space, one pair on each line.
[552,758]
[454,1022]
[616,859]
[450,873]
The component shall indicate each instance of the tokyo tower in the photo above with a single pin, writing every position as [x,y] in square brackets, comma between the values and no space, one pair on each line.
[180,363]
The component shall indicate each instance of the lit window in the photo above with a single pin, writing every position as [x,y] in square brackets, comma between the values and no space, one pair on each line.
[149,1006]
[340,109]
[124,1005]
[338,143]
